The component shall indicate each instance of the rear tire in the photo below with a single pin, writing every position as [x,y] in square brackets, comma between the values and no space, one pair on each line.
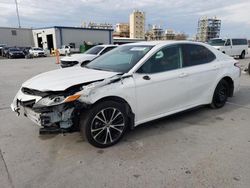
[220,94]
[243,54]
[249,68]
[104,124]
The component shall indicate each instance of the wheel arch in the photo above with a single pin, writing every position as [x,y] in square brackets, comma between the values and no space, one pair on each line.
[230,82]
[121,100]
[243,52]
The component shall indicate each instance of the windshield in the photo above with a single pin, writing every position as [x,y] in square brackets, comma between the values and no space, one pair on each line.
[94,50]
[217,42]
[14,49]
[121,59]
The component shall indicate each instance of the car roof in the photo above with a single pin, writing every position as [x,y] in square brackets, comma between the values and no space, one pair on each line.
[163,43]
[150,43]
[229,38]
[107,45]
[14,48]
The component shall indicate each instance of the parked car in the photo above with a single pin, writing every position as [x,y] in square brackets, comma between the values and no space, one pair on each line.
[37,52]
[83,59]
[231,46]
[132,84]
[15,53]
[67,49]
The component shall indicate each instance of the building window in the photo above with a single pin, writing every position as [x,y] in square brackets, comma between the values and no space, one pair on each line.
[13,32]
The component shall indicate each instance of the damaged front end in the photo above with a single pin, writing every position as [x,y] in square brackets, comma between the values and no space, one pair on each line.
[57,111]
[51,110]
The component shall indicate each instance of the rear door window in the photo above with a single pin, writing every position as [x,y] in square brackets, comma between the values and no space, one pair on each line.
[194,54]
[239,41]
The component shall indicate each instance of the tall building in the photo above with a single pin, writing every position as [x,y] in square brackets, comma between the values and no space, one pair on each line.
[156,33]
[137,24]
[121,30]
[208,28]
[169,34]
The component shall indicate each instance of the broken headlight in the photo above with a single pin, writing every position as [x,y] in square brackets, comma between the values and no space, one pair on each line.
[50,101]
[56,100]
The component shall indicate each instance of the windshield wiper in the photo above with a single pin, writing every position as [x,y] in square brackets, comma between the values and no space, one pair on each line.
[95,68]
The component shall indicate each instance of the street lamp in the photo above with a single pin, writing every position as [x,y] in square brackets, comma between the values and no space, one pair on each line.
[17,12]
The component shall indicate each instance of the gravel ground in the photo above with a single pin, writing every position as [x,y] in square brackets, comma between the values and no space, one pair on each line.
[198,148]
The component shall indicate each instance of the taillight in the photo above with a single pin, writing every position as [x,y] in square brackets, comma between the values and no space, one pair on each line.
[237,65]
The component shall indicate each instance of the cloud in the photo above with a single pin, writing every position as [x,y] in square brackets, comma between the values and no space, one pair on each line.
[181,15]
[237,13]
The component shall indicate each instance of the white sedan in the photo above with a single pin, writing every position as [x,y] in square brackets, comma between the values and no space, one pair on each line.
[84,58]
[37,52]
[130,85]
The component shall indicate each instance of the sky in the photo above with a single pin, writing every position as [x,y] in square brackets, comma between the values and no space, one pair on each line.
[180,15]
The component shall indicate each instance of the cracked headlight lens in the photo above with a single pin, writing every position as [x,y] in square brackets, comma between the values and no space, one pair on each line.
[52,101]
[49,101]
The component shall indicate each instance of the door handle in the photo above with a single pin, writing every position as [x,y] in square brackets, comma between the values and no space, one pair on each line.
[182,75]
[146,77]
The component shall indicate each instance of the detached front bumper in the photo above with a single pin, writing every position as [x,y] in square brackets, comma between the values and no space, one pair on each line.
[45,116]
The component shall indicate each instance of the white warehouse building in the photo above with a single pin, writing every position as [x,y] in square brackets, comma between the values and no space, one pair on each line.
[55,37]
[20,37]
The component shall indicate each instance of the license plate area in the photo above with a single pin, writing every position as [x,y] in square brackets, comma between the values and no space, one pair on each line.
[33,116]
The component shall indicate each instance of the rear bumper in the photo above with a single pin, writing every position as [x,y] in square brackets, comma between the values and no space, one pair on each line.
[39,54]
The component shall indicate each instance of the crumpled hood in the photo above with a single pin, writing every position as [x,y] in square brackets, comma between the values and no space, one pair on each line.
[61,79]
[79,57]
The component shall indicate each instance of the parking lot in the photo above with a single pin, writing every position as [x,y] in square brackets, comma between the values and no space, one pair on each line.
[198,148]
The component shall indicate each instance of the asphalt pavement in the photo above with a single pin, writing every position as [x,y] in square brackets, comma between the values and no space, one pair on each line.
[199,148]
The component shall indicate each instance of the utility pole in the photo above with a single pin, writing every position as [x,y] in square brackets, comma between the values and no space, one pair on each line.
[17,12]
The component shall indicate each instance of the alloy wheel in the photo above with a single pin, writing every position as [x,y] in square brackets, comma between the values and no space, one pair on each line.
[107,126]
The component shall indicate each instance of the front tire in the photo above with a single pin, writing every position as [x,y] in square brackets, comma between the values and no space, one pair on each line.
[249,68]
[243,54]
[220,94]
[104,124]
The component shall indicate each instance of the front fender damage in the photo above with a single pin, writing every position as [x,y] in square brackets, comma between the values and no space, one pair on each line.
[90,90]
[63,117]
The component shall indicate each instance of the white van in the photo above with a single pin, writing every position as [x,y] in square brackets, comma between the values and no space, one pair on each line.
[231,46]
